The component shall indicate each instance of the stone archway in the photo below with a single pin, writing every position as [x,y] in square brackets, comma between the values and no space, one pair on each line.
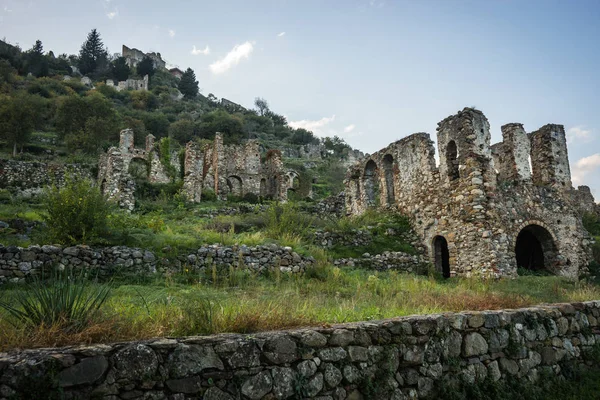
[388,174]
[535,248]
[371,183]
[234,183]
[441,255]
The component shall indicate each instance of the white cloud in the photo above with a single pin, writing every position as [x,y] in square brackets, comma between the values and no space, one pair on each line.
[349,128]
[112,14]
[197,52]
[233,58]
[317,127]
[583,167]
[280,34]
[377,3]
[579,133]
[171,33]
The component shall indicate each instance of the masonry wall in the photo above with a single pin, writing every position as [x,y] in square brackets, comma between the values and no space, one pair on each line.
[400,358]
[30,178]
[480,197]
[18,263]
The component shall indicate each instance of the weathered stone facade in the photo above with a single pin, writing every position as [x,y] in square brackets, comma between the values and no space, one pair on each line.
[401,358]
[134,56]
[235,170]
[129,84]
[17,263]
[482,212]
[116,181]
[28,179]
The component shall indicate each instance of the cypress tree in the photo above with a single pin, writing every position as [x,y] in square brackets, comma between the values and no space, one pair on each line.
[188,85]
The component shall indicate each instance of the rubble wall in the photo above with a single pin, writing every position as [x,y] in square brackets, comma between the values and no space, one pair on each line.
[18,263]
[30,178]
[400,358]
[481,197]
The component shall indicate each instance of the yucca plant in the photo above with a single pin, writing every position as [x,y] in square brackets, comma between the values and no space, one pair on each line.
[67,301]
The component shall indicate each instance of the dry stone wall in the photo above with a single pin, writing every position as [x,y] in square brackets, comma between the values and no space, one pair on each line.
[482,212]
[17,263]
[386,261]
[400,358]
[27,178]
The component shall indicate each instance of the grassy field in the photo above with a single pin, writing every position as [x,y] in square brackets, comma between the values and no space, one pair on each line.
[239,302]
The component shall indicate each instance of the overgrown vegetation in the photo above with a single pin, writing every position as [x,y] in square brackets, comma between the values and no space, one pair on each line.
[237,300]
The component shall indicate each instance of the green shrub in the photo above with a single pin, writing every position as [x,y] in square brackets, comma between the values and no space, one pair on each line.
[75,213]
[285,219]
[66,301]
[591,222]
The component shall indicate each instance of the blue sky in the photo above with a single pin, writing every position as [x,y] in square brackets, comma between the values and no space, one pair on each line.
[370,71]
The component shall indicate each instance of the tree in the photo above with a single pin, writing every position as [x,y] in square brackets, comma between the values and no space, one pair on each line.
[86,122]
[182,130]
[37,64]
[146,67]
[220,121]
[19,115]
[92,54]
[188,85]
[302,136]
[120,69]
[262,106]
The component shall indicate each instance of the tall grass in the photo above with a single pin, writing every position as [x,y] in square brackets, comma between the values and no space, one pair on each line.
[65,302]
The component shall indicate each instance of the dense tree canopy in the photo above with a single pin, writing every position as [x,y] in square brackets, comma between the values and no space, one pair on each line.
[188,85]
[93,55]
[146,67]
[120,69]
[19,115]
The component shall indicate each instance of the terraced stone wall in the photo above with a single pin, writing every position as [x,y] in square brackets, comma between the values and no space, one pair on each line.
[402,358]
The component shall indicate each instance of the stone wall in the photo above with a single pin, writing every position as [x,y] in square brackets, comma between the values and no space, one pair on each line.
[388,260]
[355,237]
[17,263]
[401,358]
[482,202]
[27,178]
[129,84]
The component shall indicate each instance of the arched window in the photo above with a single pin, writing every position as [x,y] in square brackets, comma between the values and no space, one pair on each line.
[388,172]
[371,184]
[452,160]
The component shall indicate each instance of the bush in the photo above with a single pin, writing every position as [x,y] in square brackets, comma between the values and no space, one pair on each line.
[66,301]
[75,213]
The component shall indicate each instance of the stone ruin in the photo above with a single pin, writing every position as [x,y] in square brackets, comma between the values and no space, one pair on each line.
[485,210]
[227,170]
[129,84]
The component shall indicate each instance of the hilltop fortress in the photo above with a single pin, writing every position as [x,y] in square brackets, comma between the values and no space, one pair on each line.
[486,210]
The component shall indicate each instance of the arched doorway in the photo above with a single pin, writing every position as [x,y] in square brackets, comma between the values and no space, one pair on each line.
[370,183]
[388,172]
[235,185]
[452,160]
[441,255]
[535,248]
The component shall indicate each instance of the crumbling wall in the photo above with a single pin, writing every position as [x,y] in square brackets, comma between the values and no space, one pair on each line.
[400,358]
[27,179]
[129,84]
[481,197]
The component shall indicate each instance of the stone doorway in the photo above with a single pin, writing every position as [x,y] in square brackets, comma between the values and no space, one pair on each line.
[535,249]
[441,255]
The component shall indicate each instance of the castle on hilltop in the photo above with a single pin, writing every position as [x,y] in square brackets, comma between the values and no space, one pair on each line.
[485,210]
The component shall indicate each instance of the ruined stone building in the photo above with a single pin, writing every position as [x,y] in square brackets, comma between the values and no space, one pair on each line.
[129,84]
[134,56]
[485,210]
[226,170]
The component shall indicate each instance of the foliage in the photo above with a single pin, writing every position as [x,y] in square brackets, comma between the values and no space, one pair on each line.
[182,130]
[591,223]
[19,114]
[188,85]
[66,301]
[37,64]
[302,136]
[145,67]
[220,121]
[287,219]
[75,213]
[143,100]
[92,56]
[120,69]
[261,105]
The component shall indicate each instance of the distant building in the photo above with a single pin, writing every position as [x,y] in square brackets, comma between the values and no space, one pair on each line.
[231,106]
[176,72]
[134,56]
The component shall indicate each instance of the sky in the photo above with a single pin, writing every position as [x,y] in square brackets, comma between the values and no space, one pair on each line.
[369,71]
